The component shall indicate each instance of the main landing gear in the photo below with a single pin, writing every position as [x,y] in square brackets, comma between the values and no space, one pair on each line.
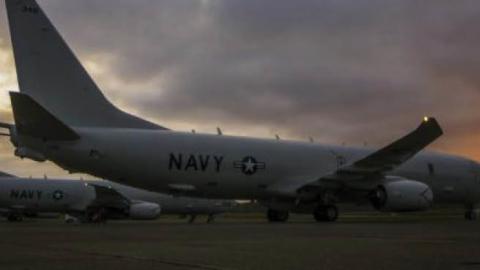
[325,213]
[277,216]
[192,219]
[211,218]
[322,213]
[471,213]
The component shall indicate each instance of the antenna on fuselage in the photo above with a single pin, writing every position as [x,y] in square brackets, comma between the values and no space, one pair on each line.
[219,131]
[311,139]
[277,137]
[194,131]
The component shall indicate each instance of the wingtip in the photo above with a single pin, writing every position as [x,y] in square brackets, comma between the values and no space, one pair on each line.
[433,124]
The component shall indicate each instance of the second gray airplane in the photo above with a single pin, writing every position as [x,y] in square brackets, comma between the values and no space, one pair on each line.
[96,200]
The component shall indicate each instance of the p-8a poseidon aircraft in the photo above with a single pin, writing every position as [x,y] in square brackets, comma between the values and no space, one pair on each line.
[61,115]
[96,200]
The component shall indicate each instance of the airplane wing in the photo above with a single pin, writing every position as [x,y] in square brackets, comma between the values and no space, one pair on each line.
[374,166]
[108,197]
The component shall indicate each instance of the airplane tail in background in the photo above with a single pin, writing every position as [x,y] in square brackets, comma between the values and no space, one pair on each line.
[49,72]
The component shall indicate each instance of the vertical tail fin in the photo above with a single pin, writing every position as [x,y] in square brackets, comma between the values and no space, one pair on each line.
[50,73]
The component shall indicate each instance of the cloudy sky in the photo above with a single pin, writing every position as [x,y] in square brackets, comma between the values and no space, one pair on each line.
[341,71]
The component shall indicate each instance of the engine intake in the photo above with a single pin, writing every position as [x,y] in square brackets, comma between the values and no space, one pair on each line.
[402,195]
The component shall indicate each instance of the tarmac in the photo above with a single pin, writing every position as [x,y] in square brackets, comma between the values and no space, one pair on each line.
[245,242]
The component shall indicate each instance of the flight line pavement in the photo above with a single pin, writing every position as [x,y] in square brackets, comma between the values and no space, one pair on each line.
[244,242]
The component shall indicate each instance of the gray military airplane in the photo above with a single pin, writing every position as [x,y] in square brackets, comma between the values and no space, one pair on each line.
[96,200]
[175,205]
[61,115]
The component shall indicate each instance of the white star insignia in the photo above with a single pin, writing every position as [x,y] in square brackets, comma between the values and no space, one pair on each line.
[249,166]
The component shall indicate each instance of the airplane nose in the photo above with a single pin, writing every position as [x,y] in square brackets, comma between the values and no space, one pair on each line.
[156,211]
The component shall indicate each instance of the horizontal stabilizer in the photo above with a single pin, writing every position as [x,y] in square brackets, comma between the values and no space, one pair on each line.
[31,119]
[5,125]
[2,174]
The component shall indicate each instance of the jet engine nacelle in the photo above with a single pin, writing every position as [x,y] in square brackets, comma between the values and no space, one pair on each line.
[144,210]
[402,195]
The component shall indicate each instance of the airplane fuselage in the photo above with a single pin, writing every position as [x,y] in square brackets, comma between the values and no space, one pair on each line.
[237,167]
[74,196]
[38,195]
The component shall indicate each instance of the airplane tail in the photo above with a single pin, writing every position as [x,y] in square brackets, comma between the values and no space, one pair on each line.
[49,72]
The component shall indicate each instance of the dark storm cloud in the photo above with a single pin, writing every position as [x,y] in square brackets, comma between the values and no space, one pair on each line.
[343,70]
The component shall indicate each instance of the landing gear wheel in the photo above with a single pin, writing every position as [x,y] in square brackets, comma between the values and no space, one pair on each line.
[471,215]
[211,218]
[326,213]
[277,216]
[192,219]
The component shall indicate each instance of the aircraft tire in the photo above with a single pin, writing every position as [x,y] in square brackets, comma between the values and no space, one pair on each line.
[192,219]
[211,218]
[277,216]
[326,213]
